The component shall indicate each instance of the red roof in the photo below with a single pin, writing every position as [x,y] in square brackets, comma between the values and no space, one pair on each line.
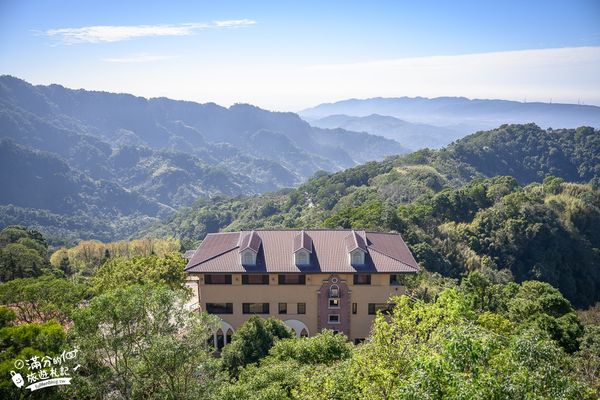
[220,252]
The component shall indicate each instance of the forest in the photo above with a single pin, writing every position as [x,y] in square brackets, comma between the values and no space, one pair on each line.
[123,307]
[504,224]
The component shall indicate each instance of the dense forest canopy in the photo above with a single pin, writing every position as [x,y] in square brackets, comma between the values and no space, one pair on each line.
[487,337]
[518,198]
[509,247]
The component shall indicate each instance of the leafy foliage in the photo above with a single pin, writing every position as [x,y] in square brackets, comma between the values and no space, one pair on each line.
[43,299]
[142,342]
[23,253]
[121,272]
[440,350]
[251,342]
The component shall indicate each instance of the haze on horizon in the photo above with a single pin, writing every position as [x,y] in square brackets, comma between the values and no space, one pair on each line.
[288,56]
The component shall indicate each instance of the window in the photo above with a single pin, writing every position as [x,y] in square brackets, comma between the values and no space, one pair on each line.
[334,303]
[395,279]
[302,257]
[219,308]
[301,308]
[248,257]
[383,307]
[333,318]
[215,279]
[282,308]
[357,257]
[304,333]
[334,291]
[255,308]
[292,279]
[354,308]
[255,279]
[359,340]
[362,279]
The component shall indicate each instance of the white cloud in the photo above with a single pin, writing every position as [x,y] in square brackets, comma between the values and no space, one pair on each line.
[139,58]
[234,23]
[115,33]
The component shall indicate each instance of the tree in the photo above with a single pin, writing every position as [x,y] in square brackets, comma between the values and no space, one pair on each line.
[324,348]
[43,299]
[142,342]
[280,372]
[439,350]
[24,341]
[251,342]
[19,261]
[121,272]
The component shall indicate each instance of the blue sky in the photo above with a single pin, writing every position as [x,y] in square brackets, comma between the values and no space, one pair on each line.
[290,55]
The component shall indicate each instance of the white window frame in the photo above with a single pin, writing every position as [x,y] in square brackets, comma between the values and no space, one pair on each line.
[329,321]
[334,307]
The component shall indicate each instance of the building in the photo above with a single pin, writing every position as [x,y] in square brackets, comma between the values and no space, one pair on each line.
[310,279]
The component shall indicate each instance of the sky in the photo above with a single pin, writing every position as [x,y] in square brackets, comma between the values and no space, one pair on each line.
[290,55]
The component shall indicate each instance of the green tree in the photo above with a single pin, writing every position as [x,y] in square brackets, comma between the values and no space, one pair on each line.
[251,342]
[43,299]
[19,261]
[439,350]
[280,372]
[142,342]
[122,272]
[22,342]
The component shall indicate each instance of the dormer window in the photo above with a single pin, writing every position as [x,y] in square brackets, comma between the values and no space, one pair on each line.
[302,257]
[248,258]
[303,248]
[357,257]
[249,246]
[357,248]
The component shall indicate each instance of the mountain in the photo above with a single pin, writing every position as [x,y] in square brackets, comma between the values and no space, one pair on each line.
[461,114]
[493,200]
[86,128]
[412,135]
[39,188]
[168,152]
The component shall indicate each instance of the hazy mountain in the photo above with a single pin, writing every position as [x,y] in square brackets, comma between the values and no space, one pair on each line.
[462,114]
[412,135]
[84,127]
[167,152]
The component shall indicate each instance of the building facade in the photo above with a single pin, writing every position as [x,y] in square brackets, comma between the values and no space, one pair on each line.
[312,280]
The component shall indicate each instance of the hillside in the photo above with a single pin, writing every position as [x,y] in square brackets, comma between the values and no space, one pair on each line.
[413,135]
[477,203]
[168,152]
[461,114]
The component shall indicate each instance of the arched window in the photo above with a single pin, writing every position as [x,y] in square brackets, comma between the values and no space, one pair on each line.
[303,333]
[334,291]
[228,336]
[220,339]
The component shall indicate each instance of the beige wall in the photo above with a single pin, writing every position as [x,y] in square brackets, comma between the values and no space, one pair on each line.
[378,292]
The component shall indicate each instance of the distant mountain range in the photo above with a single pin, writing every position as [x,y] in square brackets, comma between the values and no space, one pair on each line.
[436,122]
[413,135]
[70,151]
